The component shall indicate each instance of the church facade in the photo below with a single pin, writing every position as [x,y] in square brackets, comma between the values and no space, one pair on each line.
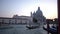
[38,16]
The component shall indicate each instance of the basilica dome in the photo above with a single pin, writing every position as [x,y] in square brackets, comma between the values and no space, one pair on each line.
[39,12]
[38,15]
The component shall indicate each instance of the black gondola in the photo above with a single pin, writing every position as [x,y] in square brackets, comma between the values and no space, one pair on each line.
[32,27]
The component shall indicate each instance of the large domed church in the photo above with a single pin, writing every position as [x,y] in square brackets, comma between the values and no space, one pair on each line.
[38,16]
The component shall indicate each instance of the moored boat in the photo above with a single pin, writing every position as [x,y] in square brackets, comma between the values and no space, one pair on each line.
[32,27]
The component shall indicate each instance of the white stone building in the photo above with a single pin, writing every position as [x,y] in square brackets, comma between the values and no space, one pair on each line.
[16,19]
[38,15]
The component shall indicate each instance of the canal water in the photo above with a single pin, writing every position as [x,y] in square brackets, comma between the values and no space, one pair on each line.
[21,29]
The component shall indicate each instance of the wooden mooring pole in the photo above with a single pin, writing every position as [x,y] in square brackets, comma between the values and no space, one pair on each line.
[47,27]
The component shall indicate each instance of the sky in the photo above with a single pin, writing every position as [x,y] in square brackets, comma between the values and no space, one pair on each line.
[8,8]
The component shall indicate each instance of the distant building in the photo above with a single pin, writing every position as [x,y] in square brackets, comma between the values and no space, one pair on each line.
[52,21]
[37,16]
[24,19]
[14,20]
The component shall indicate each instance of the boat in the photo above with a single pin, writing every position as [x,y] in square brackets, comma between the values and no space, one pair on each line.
[52,29]
[30,26]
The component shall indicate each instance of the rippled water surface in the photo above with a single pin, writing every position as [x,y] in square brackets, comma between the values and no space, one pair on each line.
[21,29]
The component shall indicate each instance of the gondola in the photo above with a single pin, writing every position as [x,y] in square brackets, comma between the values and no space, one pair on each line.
[32,27]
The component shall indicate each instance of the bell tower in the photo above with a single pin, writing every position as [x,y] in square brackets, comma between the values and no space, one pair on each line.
[31,14]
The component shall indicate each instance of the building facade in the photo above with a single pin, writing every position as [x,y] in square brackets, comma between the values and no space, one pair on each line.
[38,15]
